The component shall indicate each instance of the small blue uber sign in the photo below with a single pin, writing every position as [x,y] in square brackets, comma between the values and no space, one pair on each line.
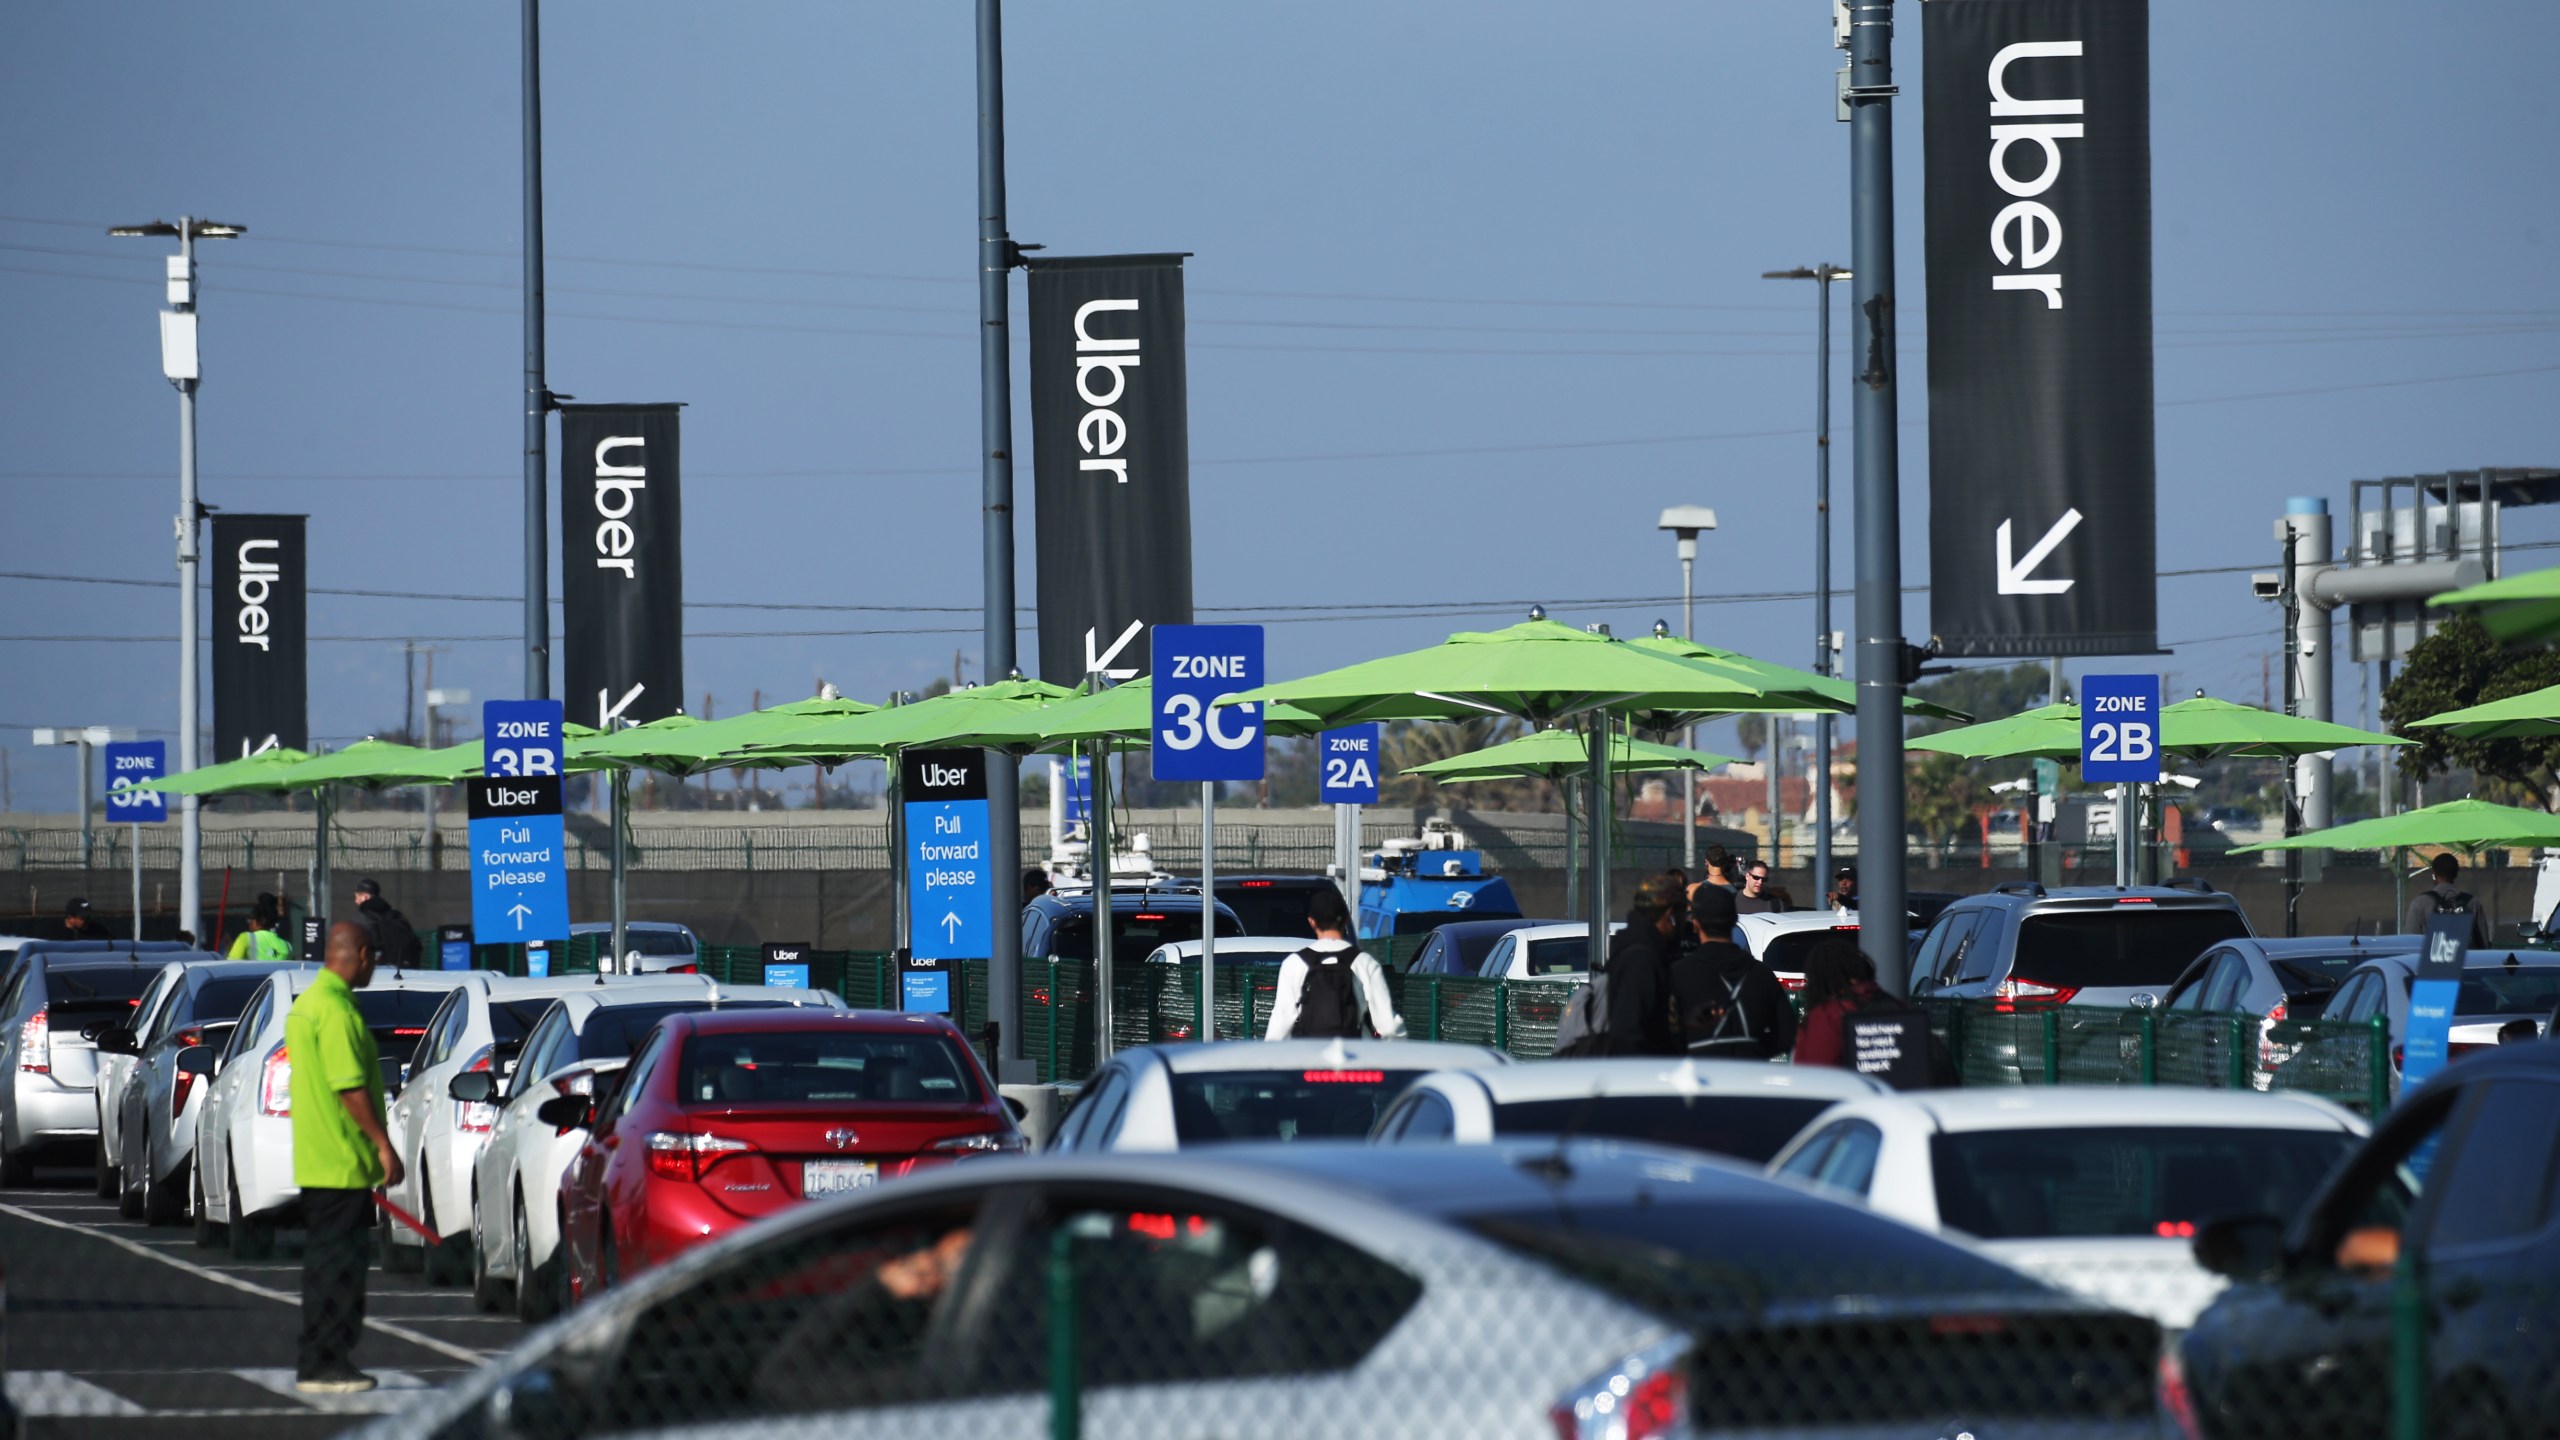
[2120,729]
[1347,766]
[129,763]
[1196,738]
[519,876]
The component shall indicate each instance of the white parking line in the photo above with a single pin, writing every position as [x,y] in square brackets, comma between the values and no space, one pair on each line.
[52,1394]
[393,1329]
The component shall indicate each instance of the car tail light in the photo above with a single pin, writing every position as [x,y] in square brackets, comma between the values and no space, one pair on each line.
[1792,982]
[1645,1396]
[275,1084]
[685,1154]
[685,969]
[575,1082]
[184,1083]
[2266,1037]
[35,1044]
[2395,1059]
[1257,884]
[2137,900]
[985,1142]
[476,1116]
[1344,1077]
[2177,1402]
[2009,993]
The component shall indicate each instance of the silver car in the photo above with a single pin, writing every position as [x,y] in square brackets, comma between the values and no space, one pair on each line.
[154,1111]
[1587,1289]
[46,1013]
[649,947]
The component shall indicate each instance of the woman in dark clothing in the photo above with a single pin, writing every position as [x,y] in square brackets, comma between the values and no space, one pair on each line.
[1837,980]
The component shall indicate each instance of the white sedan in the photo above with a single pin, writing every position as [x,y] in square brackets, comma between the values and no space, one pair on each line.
[1782,940]
[579,1043]
[2097,1189]
[1172,1097]
[244,1132]
[1543,952]
[1743,1109]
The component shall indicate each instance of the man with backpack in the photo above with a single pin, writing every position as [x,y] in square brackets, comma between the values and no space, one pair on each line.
[395,940]
[2445,898]
[1731,1007]
[1332,989]
[1632,997]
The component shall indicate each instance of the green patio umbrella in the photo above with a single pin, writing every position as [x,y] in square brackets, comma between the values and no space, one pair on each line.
[367,764]
[980,709]
[2204,728]
[251,775]
[456,763]
[1553,754]
[2468,825]
[2529,716]
[2048,732]
[1790,690]
[2515,610]
[703,745]
[1124,714]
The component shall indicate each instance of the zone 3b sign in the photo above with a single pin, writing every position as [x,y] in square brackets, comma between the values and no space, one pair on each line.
[2120,729]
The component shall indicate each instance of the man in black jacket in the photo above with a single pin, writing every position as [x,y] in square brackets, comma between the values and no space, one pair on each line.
[395,941]
[1731,1007]
[1640,1014]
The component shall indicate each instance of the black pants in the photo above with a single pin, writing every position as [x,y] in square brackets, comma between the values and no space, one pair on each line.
[334,1261]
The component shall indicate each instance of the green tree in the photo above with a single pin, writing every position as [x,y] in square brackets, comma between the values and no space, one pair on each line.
[2460,665]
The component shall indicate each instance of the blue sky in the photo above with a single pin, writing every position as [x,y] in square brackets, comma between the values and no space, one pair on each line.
[1475,294]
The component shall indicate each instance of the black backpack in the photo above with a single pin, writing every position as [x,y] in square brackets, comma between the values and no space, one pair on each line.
[1890,1039]
[1328,1008]
[2464,903]
[395,944]
[1721,1021]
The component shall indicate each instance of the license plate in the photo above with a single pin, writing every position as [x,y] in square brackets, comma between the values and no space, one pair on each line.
[836,1177]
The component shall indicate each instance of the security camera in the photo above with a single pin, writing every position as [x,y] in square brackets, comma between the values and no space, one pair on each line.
[2267,585]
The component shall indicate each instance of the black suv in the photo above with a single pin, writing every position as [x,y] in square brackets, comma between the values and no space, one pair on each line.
[1271,904]
[2083,945]
[1059,925]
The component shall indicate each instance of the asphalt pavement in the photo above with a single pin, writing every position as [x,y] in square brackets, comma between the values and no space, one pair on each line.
[116,1329]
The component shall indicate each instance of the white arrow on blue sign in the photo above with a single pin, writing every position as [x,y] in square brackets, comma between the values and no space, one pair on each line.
[129,763]
[1196,738]
[2120,729]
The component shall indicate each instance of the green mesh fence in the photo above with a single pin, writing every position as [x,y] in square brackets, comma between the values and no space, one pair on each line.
[2346,1061]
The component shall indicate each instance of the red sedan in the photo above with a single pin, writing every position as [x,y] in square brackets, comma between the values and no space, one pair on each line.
[722,1118]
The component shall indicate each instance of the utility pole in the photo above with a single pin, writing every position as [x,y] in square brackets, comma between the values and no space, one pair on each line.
[2291,594]
[537,390]
[755,773]
[997,256]
[179,361]
[1882,655]
[1824,658]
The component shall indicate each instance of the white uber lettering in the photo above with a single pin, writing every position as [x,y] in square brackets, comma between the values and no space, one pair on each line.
[2038,231]
[618,490]
[1102,432]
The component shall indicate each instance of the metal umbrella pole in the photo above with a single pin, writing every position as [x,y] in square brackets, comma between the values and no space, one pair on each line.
[621,869]
[1100,863]
[1209,911]
[1597,954]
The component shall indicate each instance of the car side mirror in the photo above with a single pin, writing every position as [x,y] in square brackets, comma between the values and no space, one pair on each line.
[116,1040]
[473,1087]
[565,1112]
[196,1060]
[2241,1247]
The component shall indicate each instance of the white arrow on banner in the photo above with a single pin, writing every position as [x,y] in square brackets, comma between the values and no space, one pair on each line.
[1102,662]
[950,926]
[2013,573]
[519,910]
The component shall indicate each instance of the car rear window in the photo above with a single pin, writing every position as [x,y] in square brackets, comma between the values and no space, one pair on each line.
[1560,955]
[1789,952]
[2522,991]
[656,942]
[1270,907]
[398,1019]
[2309,980]
[615,1031]
[2124,1180]
[2121,944]
[511,1020]
[1133,932]
[224,999]
[96,993]
[1211,1106]
[1747,1127]
[791,1067]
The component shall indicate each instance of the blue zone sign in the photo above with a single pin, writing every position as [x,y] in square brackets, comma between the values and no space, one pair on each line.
[1347,762]
[950,887]
[519,875]
[1196,666]
[130,762]
[2120,729]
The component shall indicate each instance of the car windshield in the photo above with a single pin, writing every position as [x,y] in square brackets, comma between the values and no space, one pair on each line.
[614,1032]
[823,1066]
[656,942]
[1133,931]
[2524,990]
[1789,951]
[2124,1180]
[511,1020]
[1210,1106]
[1559,955]
[2120,944]
[1747,1127]
[1269,907]
[1726,1254]
[397,1018]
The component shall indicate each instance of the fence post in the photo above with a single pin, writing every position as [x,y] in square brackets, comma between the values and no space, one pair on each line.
[1502,1016]
[1435,1008]
[2238,1066]
[2053,1046]
[1066,1391]
[2150,1048]
[2377,1097]
[2409,1370]
[1052,1073]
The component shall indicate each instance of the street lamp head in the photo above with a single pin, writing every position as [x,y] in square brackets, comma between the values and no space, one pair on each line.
[201,229]
[1661,629]
[1798,273]
[1824,271]
[1685,521]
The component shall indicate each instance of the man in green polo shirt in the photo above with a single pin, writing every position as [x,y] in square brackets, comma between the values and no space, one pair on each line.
[340,1154]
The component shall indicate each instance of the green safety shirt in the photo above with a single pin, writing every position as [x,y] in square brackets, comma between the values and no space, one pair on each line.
[330,1050]
[261,945]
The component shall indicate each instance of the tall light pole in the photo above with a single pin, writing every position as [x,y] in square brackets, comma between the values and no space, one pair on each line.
[1684,522]
[1822,275]
[179,362]
[1883,658]
[997,255]
[537,388]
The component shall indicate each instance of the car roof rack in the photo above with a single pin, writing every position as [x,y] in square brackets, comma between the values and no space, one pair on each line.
[2196,883]
[2034,888]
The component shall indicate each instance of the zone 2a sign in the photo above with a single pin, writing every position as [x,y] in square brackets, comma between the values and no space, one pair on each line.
[1196,666]
[1349,766]
[2120,729]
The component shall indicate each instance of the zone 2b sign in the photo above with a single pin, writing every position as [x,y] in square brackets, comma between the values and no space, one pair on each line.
[2120,729]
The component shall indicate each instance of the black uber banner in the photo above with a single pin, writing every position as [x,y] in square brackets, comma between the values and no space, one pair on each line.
[2038,155]
[1111,459]
[621,564]
[261,624]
